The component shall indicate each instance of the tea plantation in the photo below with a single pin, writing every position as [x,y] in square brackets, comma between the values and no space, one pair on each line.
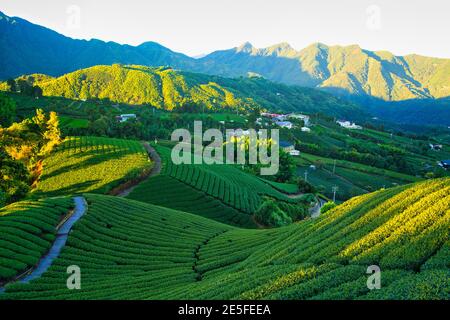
[91,164]
[27,231]
[220,192]
[131,250]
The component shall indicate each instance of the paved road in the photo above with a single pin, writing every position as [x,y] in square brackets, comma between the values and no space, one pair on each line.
[315,211]
[154,156]
[59,243]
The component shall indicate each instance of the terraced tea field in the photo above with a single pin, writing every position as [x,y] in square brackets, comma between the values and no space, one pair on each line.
[130,250]
[91,164]
[180,196]
[27,230]
[232,186]
[220,192]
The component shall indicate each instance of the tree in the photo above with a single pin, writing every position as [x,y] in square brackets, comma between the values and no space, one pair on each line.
[14,179]
[31,140]
[7,111]
[12,85]
[287,167]
[305,187]
[270,214]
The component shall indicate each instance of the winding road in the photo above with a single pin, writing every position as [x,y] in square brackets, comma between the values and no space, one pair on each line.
[61,238]
[154,156]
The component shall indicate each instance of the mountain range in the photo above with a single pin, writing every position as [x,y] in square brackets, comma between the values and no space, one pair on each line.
[27,48]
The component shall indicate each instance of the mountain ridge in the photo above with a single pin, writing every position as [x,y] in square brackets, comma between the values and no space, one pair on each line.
[169,89]
[343,70]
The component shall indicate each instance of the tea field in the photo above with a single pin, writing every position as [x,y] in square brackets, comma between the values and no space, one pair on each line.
[91,164]
[27,231]
[127,249]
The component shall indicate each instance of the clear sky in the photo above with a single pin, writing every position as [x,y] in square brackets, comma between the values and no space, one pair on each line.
[201,26]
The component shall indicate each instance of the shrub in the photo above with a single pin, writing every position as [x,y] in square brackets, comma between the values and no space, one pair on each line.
[271,215]
[305,187]
[328,206]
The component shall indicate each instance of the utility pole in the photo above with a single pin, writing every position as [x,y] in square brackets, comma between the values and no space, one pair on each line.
[306,175]
[335,189]
[334,167]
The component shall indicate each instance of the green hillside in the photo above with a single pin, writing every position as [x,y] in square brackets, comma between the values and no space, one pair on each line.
[130,250]
[91,164]
[28,230]
[220,192]
[169,89]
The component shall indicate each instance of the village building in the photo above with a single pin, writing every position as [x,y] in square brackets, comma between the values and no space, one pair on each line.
[285,124]
[445,164]
[436,147]
[125,117]
[348,125]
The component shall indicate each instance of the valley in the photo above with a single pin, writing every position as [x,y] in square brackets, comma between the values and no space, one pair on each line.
[134,172]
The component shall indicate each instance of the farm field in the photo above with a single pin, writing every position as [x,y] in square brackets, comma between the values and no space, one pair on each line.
[69,122]
[378,149]
[130,250]
[227,183]
[91,164]
[220,192]
[180,196]
[351,178]
[27,230]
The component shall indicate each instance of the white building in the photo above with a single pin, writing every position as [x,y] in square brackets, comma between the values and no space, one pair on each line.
[294,153]
[126,117]
[285,124]
[306,129]
[348,125]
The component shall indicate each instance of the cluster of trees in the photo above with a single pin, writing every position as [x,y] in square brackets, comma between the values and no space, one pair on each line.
[7,111]
[24,87]
[23,147]
[274,213]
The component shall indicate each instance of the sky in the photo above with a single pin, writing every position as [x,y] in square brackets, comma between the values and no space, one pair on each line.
[196,27]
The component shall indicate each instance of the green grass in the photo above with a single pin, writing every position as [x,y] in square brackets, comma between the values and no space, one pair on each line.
[68,122]
[131,250]
[91,164]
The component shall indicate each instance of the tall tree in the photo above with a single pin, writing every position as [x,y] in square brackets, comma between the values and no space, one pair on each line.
[7,111]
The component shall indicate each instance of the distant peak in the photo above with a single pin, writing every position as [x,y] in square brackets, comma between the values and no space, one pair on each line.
[280,49]
[150,44]
[245,47]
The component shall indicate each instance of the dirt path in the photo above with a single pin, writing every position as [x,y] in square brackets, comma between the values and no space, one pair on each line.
[295,196]
[127,188]
[60,241]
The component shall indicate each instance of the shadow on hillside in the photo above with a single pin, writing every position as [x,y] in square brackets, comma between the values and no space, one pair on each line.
[95,158]
[69,190]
